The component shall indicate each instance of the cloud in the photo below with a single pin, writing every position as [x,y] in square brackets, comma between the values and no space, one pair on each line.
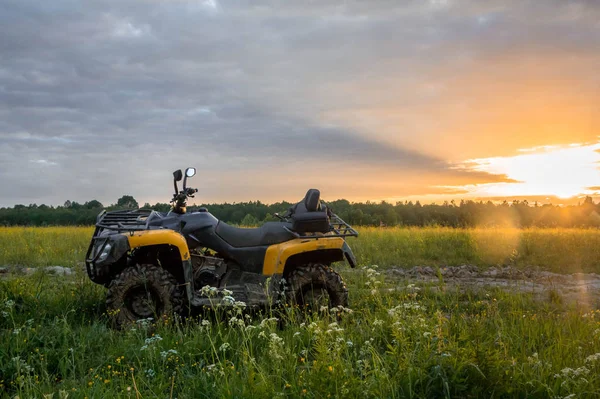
[283,91]
[43,162]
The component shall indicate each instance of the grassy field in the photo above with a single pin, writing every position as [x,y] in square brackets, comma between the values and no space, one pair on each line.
[559,250]
[398,340]
[417,341]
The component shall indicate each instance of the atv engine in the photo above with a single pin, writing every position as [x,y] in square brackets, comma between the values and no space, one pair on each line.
[208,270]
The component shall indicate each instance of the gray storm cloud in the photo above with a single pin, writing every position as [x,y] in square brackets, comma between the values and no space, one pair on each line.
[98,99]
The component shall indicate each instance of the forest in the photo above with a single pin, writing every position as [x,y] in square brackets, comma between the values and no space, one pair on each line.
[449,214]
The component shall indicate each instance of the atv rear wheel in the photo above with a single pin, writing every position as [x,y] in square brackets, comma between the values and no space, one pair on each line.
[141,292]
[314,286]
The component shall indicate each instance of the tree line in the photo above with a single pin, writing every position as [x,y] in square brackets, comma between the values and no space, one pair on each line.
[451,214]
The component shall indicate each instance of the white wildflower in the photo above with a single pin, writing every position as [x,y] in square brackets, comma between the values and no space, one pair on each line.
[276,346]
[22,364]
[235,322]
[144,322]
[240,305]
[151,341]
[165,354]
[224,347]
[276,338]
[568,372]
[313,328]
[209,291]
[266,322]
[592,358]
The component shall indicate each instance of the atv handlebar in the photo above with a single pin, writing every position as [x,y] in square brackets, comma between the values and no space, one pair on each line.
[184,194]
[179,199]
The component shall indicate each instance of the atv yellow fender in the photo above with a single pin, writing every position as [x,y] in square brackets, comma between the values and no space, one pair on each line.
[278,254]
[158,237]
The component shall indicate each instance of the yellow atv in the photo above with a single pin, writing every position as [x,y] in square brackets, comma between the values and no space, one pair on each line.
[155,264]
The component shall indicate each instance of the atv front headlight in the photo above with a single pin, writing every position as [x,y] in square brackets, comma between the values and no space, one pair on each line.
[105,252]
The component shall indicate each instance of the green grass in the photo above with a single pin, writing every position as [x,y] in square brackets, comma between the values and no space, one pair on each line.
[399,341]
[559,250]
[408,342]
[44,246]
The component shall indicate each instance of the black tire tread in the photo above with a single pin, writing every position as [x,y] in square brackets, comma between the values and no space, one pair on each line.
[317,274]
[170,294]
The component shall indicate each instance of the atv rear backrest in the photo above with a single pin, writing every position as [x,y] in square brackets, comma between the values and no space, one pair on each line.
[309,215]
[312,200]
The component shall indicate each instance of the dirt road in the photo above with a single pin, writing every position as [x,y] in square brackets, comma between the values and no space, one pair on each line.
[581,288]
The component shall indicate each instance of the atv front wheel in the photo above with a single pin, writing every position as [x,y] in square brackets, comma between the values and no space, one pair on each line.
[313,286]
[141,292]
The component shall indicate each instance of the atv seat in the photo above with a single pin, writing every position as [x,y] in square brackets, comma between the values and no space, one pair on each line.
[268,234]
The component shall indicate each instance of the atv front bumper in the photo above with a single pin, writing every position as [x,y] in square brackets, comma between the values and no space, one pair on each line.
[104,251]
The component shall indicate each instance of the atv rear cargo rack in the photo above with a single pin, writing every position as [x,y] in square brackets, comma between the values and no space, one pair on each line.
[337,228]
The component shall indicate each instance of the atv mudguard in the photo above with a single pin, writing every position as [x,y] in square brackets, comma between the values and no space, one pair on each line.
[124,242]
[170,237]
[282,257]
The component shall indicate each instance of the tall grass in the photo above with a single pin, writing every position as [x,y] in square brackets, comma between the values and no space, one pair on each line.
[560,250]
[406,342]
[397,340]
[44,246]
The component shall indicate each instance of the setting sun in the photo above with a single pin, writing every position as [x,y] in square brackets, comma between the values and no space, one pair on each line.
[561,171]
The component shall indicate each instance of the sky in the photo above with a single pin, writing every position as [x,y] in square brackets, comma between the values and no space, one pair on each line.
[365,100]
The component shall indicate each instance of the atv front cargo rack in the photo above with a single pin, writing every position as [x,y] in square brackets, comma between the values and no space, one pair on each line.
[337,228]
[133,220]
